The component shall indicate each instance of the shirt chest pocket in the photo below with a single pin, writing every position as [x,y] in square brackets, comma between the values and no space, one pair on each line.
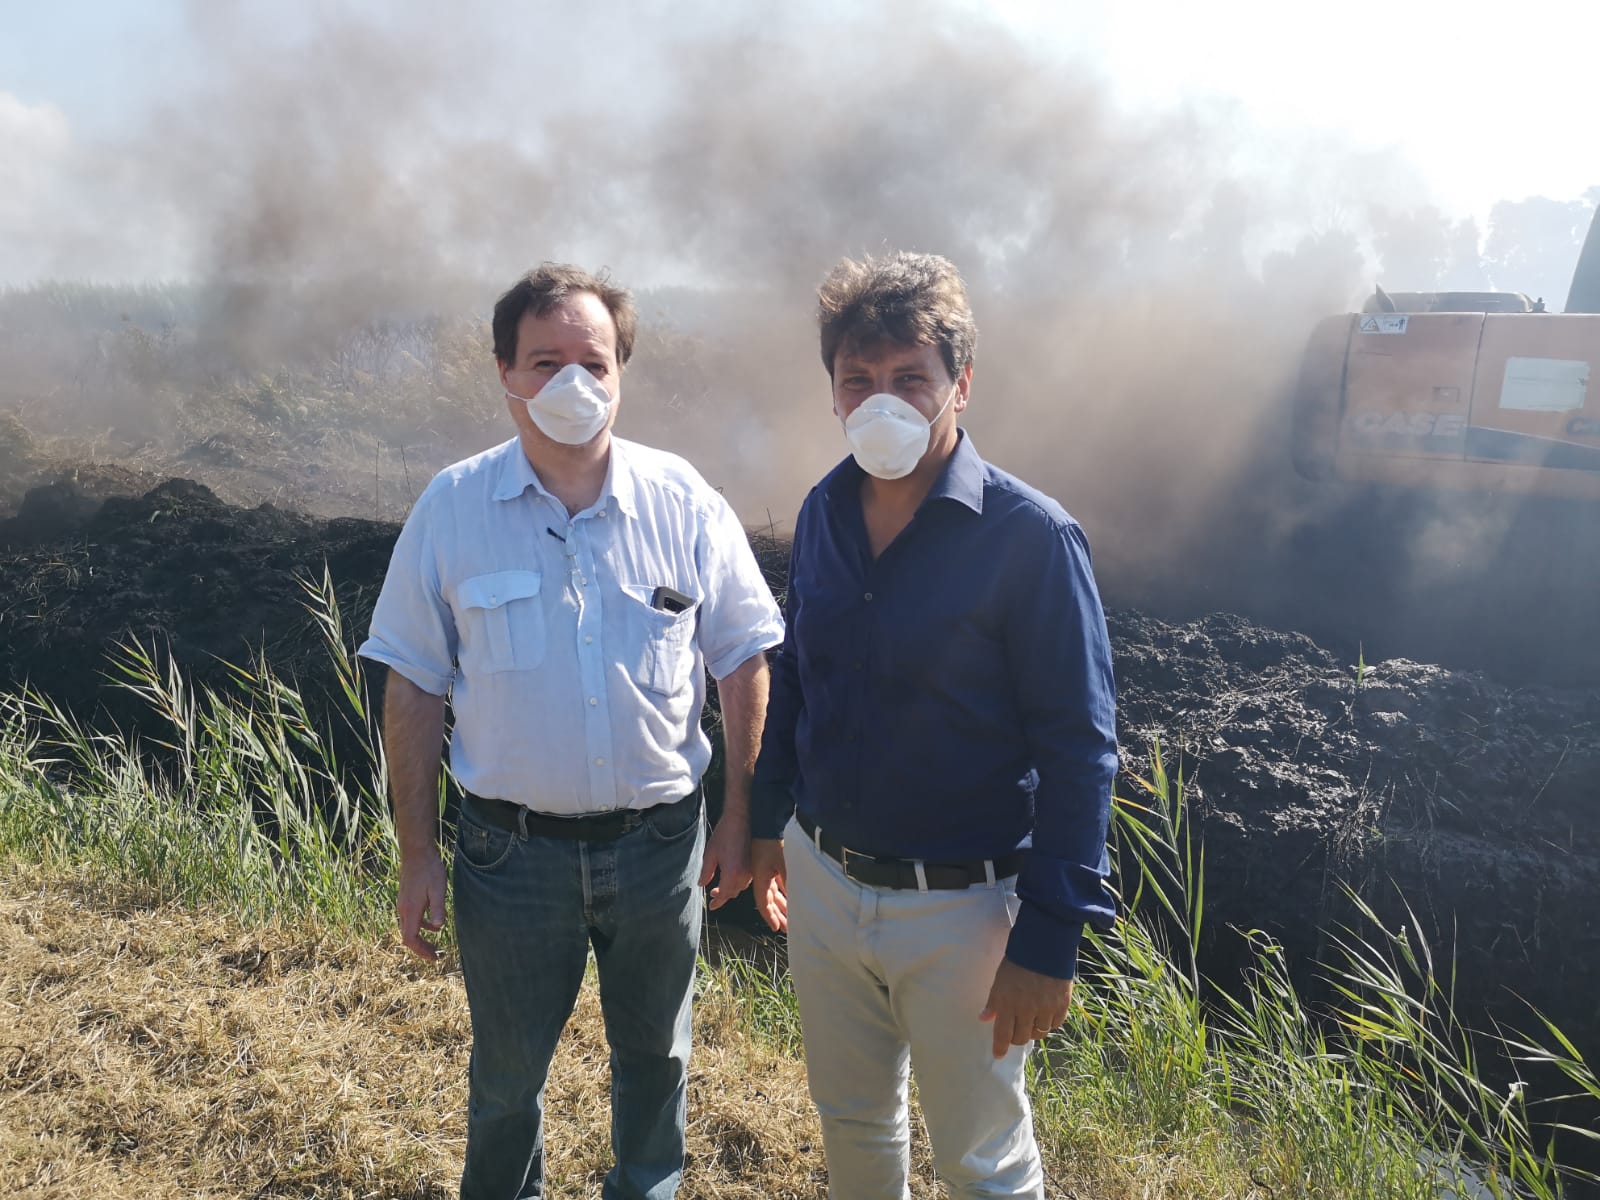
[500,620]
[658,646]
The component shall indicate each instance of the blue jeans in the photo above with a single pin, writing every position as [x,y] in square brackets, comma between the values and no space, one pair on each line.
[527,911]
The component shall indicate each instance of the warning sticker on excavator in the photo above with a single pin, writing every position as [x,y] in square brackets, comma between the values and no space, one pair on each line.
[1382,323]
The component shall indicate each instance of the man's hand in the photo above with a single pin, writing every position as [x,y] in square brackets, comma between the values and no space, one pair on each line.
[727,858]
[743,692]
[413,734]
[771,882]
[420,904]
[1024,1005]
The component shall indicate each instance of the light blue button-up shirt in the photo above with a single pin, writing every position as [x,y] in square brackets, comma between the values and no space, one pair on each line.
[572,693]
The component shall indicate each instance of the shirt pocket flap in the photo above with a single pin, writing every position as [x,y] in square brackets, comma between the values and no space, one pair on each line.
[492,591]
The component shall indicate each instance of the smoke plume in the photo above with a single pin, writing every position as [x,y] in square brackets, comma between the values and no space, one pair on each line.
[1143,284]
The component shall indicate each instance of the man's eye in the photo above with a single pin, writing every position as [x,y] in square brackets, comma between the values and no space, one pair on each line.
[544,364]
[913,379]
[597,369]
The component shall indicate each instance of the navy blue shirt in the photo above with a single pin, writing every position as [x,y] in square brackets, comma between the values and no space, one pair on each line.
[952,699]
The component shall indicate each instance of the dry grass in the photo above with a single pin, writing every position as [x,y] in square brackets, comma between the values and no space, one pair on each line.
[147,1050]
[151,1052]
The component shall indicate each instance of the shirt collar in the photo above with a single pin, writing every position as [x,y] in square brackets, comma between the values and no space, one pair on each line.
[517,476]
[516,473]
[961,479]
[621,482]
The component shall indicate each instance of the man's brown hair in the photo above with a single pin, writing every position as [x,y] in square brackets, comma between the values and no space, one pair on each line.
[913,299]
[546,287]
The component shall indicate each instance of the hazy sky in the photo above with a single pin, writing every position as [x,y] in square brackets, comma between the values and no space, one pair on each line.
[1476,101]
[1488,100]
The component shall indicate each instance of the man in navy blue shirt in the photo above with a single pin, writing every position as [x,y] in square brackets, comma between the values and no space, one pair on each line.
[931,799]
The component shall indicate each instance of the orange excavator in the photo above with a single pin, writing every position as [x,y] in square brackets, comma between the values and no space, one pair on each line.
[1478,391]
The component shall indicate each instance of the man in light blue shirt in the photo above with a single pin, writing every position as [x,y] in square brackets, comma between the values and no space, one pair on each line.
[568,590]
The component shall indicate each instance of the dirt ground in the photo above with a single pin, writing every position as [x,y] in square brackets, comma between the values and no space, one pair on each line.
[1408,783]
[1470,798]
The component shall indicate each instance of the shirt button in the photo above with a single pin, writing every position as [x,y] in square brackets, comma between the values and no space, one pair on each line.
[867,597]
[593,700]
[602,512]
[851,738]
[599,762]
[588,641]
[857,664]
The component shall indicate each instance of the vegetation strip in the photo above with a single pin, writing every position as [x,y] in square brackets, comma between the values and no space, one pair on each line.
[205,996]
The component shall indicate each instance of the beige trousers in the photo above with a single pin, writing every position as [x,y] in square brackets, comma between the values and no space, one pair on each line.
[890,981]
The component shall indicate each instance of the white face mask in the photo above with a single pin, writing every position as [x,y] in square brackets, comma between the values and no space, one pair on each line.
[889,436]
[571,408]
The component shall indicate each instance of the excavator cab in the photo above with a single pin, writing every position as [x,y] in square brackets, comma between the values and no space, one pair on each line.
[1483,391]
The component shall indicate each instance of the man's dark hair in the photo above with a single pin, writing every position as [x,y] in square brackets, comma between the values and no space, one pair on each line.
[546,287]
[913,299]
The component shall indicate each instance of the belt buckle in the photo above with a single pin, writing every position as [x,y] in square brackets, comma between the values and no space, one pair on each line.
[854,860]
[849,857]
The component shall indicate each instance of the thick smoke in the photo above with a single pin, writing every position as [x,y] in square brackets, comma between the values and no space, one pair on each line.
[400,162]
[1143,285]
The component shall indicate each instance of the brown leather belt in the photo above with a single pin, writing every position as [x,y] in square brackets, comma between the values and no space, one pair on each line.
[593,827]
[910,874]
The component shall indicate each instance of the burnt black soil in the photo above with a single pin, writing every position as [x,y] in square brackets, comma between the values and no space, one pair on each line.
[1471,800]
[1475,800]
[174,568]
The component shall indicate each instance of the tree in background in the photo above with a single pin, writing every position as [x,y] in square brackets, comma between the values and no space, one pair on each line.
[1533,244]
[1530,246]
[1423,250]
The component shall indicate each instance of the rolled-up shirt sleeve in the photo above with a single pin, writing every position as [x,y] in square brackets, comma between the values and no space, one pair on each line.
[738,616]
[1060,658]
[413,630]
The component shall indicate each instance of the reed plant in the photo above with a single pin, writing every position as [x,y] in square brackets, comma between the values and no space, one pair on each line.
[243,802]
[1383,1090]
[1162,1083]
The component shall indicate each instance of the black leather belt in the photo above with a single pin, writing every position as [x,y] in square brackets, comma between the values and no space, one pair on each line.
[902,873]
[595,827]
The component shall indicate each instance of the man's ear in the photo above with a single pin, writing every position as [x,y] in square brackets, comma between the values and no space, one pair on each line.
[963,388]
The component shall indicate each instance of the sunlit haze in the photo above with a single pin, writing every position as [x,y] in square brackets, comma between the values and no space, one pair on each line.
[1485,101]
[1462,104]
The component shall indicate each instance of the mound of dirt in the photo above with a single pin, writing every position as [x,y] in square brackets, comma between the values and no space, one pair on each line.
[44,496]
[59,501]
[1469,798]
[174,567]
